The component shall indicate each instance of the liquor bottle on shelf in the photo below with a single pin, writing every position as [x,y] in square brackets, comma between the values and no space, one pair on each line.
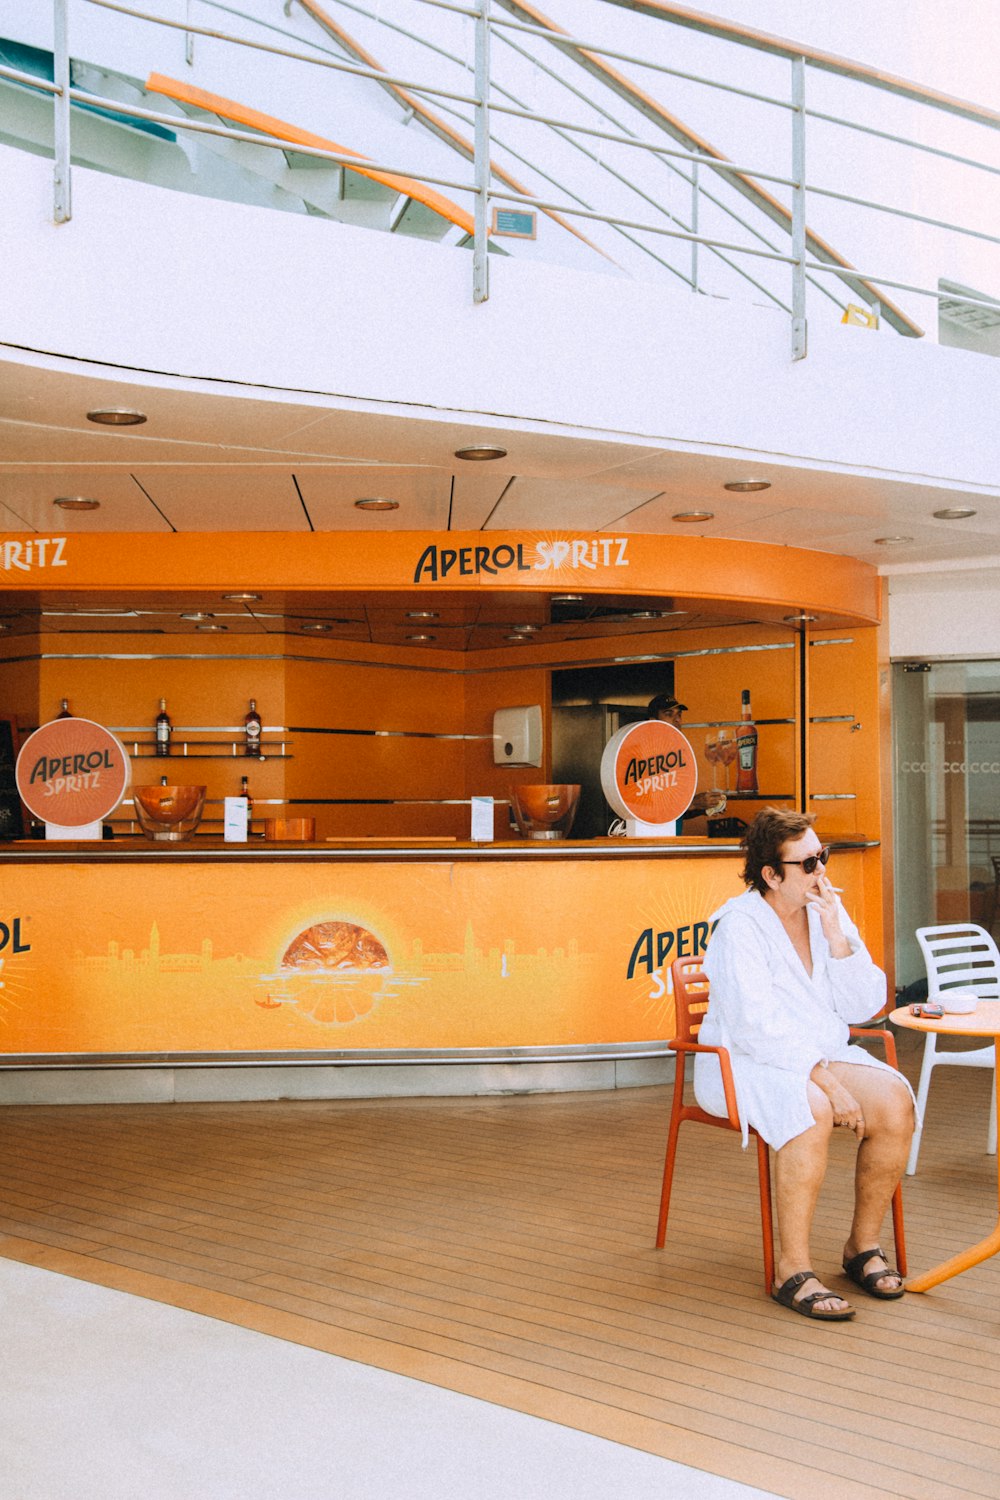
[245,792]
[65,712]
[251,730]
[164,729]
[746,749]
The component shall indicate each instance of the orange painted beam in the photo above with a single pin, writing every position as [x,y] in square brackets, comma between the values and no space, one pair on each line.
[242,114]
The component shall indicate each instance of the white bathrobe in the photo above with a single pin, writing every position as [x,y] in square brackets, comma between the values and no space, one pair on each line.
[776,1021]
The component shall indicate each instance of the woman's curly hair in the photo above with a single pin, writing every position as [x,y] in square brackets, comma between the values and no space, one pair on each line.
[763,841]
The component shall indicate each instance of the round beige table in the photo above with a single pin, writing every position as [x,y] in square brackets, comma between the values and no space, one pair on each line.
[983,1021]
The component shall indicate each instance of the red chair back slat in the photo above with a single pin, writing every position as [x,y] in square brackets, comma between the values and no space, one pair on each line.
[690,997]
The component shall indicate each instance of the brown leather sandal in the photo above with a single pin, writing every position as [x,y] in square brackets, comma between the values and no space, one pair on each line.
[785,1294]
[855,1270]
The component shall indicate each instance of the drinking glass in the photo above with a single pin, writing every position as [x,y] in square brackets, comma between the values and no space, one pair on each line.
[725,750]
[712,755]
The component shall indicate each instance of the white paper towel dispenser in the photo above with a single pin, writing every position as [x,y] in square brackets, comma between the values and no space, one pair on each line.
[517,736]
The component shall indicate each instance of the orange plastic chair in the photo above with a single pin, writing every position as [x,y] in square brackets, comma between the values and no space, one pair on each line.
[690,1003]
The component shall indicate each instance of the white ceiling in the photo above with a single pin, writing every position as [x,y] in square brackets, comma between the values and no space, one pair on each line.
[210,461]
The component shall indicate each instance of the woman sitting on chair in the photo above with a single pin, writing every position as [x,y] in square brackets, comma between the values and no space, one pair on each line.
[789,975]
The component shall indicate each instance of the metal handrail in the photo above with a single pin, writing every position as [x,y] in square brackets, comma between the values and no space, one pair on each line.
[699,191]
[545,34]
[206,127]
[589,61]
[319,62]
[639,144]
[675,234]
[903,140]
[522,20]
[828,62]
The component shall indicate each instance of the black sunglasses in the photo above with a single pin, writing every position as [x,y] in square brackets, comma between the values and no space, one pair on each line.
[811,861]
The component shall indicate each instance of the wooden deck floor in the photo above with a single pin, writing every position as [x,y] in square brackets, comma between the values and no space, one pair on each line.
[503,1248]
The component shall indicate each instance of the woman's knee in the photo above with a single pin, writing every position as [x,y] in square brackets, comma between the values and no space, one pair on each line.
[902,1110]
[891,1107]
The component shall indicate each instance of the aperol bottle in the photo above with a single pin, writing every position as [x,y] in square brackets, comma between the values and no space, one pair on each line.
[746,749]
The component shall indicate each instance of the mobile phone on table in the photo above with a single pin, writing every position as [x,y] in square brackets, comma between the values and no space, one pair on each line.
[930,1010]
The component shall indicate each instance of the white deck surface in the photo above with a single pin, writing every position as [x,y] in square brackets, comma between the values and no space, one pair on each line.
[106,1396]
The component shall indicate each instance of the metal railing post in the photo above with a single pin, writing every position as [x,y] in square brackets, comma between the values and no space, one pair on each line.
[798,208]
[62,207]
[481,163]
[695,188]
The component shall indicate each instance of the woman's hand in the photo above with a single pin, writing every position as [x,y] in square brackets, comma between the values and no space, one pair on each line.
[824,900]
[846,1109]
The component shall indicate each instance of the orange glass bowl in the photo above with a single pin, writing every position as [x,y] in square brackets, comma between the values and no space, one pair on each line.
[290,830]
[545,811]
[168,813]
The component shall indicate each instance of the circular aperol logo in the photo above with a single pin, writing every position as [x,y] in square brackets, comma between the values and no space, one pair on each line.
[648,772]
[72,772]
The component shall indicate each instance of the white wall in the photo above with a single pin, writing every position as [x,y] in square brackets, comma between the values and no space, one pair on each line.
[145,279]
[945,614]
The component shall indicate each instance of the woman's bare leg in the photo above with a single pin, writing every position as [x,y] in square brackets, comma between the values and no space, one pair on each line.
[888,1112]
[799,1169]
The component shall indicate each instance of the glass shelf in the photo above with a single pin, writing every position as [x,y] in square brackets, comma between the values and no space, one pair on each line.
[237,753]
[229,749]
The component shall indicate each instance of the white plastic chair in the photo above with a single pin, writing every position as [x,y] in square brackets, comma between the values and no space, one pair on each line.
[958,956]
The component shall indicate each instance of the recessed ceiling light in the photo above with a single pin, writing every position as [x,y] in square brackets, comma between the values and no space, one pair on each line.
[747,486]
[421,614]
[116,416]
[694,515]
[524,629]
[522,640]
[240,598]
[76,502]
[211,627]
[421,637]
[318,625]
[567,598]
[954,513]
[800,619]
[196,614]
[481,453]
[892,541]
[376,503]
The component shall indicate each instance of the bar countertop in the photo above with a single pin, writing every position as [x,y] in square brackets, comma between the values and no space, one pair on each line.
[137,850]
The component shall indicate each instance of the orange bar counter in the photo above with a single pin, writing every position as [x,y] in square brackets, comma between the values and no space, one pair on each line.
[392,954]
[185,954]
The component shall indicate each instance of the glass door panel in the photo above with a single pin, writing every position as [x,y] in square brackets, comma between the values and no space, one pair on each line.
[946,718]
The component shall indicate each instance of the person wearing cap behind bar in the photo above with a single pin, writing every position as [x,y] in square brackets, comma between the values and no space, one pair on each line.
[668,710]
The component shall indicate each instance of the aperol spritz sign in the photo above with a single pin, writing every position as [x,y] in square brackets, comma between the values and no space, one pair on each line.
[71,773]
[649,774]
